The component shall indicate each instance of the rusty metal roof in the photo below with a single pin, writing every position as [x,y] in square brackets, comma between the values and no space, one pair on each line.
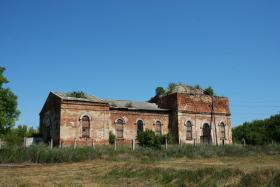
[121,104]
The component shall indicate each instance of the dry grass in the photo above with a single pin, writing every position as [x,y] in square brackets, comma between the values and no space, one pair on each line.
[243,163]
[136,173]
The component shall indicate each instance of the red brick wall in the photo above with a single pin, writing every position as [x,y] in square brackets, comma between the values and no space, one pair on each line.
[66,117]
[202,104]
[70,128]
[51,113]
[195,103]
[131,118]
[197,109]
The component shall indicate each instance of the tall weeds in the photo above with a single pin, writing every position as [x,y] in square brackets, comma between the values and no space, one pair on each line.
[43,154]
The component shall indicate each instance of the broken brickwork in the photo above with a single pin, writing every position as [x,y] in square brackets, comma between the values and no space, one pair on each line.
[190,118]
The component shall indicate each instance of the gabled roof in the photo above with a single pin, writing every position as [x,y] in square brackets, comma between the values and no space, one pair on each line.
[117,104]
[64,96]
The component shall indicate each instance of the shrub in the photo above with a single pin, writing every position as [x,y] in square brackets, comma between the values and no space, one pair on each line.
[148,138]
[129,105]
[209,91]
[197,86]
[77,94]
[167,137]
[13,139]
[160,91]
[112,138]
[171,88]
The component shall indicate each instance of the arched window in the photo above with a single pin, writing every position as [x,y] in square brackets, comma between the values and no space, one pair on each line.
[85,127]
[119,128]
[223,131]
[189,131]
[158,128]
[140,126]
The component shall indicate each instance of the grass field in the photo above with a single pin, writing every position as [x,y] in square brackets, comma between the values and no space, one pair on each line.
[128,169]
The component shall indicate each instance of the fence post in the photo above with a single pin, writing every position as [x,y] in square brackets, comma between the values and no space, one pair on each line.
[24,142]
[0,143]
[243,141]
[165,143]
[92,144]
[133,144]
[194,143]
[51,143]
[115,142]
[60,144]
[75,143]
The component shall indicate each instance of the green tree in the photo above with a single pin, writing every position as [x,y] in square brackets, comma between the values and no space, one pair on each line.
[160,91]
[258,132]
[171,87]
[209,91]
[16,134]
[8,105]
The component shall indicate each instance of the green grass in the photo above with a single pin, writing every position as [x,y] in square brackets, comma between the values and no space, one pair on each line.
[43,154]
[198,177]
[177,166]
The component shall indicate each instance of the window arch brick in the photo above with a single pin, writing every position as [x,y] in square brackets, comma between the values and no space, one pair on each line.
[189,130]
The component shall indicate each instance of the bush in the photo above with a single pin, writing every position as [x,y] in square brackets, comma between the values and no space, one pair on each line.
[77,94]
[160,91]
[167,137]
[148,138]
[112,138]
[15,135]
[209,91]
[129,105]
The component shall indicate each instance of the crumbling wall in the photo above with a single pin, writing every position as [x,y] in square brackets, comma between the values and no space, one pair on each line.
[71,123]
[61,120]
[202,104]
[198,109]
[50,120]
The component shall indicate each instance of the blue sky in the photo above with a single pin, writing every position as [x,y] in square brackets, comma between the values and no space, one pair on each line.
[125,49]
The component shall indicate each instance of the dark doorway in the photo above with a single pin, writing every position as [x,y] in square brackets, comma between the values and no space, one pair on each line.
[206,134]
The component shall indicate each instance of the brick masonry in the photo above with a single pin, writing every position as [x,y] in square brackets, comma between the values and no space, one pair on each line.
[61,119]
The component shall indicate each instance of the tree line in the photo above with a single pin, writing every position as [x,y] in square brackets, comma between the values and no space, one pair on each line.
[258,132]
[9,113]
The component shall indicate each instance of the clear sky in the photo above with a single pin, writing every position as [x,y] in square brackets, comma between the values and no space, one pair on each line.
[125,49]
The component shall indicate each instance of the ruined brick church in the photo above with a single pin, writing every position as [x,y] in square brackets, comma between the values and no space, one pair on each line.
[191,116]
